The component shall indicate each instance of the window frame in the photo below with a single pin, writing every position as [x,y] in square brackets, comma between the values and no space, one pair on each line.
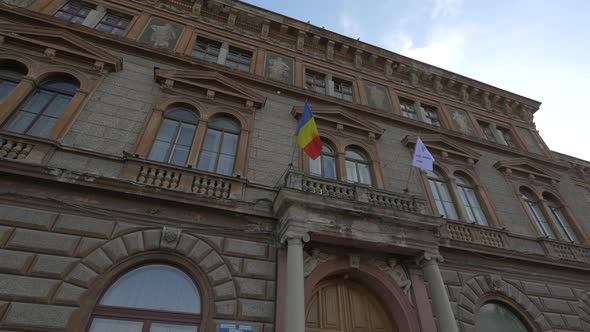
[120,17]
[367,162]
[464,198]
[510,305]
[441,178]
[339,93]
[240,52]
[333,155]
[180,122]
[428,118]
[82,4]
[406,110]
[218,153]
[206,53]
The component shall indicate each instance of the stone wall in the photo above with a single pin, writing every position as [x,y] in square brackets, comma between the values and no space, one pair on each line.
[49,260]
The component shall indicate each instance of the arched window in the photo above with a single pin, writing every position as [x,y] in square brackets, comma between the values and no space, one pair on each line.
[41,110]
[11,72]
[534,209]
[154,298]
[220,146]
[470,202]
[175,137]
[325,165]
[440,193]
[557,213]
[495,316]
[357,167]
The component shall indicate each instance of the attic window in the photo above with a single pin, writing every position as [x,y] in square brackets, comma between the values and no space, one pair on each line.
[113,23]
[238,59]
[74,12]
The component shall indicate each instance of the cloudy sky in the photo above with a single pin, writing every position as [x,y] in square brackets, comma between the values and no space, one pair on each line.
[538,49]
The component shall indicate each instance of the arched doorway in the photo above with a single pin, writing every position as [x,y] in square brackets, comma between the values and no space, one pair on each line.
[339,304]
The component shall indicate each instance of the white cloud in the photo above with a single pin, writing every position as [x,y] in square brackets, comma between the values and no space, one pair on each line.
[350,27]
[443,8]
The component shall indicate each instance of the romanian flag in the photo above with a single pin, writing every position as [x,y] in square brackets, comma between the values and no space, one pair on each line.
[307,134]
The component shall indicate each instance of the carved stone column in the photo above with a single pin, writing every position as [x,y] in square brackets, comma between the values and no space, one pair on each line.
[295,286]
[441,306]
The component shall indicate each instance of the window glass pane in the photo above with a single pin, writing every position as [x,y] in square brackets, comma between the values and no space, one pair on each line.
[329,167]
[354,155]
[179,155]
[167,130]
[540,219]
[212,140]
[364,173]
[225,164]
[351,175]
[470,216]
[230,144]
[42,126]
[437,199]
[21,122]
[224,123]
[185,137]
[6,88]
[109,325]
[479,216]
[207,161]
[57,106]
[77,20]
[39,100]
[61,85]
[159,151]
[315,166]
[569,232]
[103,27]
[182,114]
[495,317]
[159,327]
[155,287]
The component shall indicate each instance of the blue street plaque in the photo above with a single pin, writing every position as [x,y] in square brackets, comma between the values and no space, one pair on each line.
[224,327]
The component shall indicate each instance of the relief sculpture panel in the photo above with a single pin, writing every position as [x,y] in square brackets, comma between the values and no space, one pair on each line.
[377,96]
[161,33]
[461,122]
[279,68]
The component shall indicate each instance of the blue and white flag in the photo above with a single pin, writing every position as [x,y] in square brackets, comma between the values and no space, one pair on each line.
[422,157]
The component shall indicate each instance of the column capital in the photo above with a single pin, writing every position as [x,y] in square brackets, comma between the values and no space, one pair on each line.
[295,238]
[429,258]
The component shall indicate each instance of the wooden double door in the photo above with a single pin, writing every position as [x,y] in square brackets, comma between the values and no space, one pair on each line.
[341,305]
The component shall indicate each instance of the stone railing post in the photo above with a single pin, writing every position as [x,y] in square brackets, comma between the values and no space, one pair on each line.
[441,306]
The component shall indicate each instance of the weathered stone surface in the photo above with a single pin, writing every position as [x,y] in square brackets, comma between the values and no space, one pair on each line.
[450,277]
[25,287]
[245,248]
[534,288]
[563,292]
[115,249]
[44,241]
[219,275]
[255,309]
[151,239]
[555,305]
[82,275]
[52,266]
[235,263]
[69,294]
[87,245]
[251,287]
[572,322]
[186,243]
[125,228]
[210,262]
[262,269]
[85,226]
[133,242]
[200,251]
[271,290]
[225,291]
[555,320]
[20,216]
[98,261]
[13,261]
[37,315]
[215,241]
[226,308]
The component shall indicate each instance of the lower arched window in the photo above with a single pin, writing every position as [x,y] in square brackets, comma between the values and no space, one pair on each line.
[218,153]
[175,137]
[440,193]
[325,165]
[357,167]
[470,201]
[37,115]
[557,213]
[151,298]
[495,316]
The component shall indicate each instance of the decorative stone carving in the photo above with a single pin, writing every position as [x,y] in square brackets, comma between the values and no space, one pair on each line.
[461,122]
[388,69]
[463,94]
[161,33]
[310,262]
[300,40]
[196,9]
[506,108]
[437,85]
[397,272]
[279,68]
[330,50]
[265,29]
[170,237]
[414,79]
[485,101]
[358,58]
[377,96]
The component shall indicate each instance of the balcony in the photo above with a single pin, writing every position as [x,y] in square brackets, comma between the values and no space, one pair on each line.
[339,210]
[491,240]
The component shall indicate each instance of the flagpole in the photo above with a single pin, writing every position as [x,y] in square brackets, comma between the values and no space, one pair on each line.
[407,190]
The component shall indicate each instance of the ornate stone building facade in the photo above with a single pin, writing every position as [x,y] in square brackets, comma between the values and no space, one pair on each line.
[150,181]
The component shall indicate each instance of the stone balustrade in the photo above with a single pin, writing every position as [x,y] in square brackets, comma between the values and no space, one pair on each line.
[183,180]
[354,192]
[458,234]
[14,149]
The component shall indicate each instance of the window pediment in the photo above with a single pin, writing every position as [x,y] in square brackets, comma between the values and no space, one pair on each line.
[443,147]
[341,119]
[210,84]
[528,168]
[52,42]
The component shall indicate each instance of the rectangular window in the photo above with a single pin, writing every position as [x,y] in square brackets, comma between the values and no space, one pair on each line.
[487,131]
[238,59]
[206,49]
[113,23]
[431,115]
[506,135]
[407,108]
[342,89]
[315,81]
[74,12]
